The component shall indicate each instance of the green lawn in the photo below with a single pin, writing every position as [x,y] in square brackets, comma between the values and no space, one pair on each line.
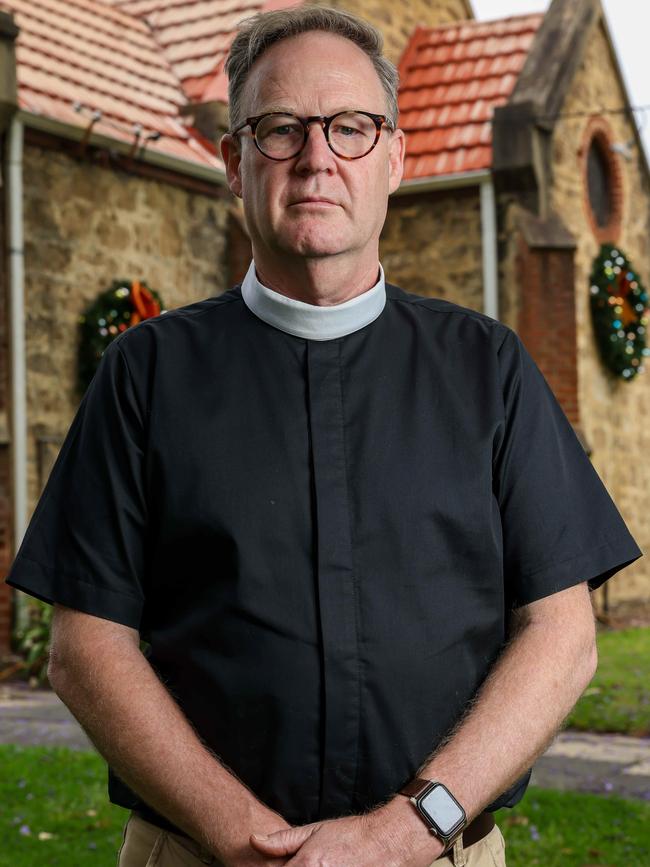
[565,829]
[618,698]
[62,793]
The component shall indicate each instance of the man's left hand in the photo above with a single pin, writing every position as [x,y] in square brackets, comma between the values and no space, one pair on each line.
[354,841]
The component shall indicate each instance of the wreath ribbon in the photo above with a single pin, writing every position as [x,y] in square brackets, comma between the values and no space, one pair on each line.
[145,305]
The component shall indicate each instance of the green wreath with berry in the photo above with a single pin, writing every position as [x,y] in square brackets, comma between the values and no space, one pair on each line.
[124,304]
[620,315]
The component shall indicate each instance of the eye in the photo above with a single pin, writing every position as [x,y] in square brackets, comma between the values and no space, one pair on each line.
[278,126]
[353,126]
[346,131]
[283,130]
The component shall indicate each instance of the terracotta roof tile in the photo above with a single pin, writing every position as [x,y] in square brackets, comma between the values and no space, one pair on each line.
[452,78]
[89,52]
[140,61]
[195,36]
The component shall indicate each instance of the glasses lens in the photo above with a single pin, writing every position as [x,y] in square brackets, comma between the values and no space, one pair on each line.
[352,134]
[279,135]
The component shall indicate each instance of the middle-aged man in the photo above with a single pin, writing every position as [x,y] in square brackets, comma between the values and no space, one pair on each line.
[352,523]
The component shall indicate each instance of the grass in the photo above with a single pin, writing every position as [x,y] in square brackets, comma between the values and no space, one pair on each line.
[62,793]
[566,829]
[618,698]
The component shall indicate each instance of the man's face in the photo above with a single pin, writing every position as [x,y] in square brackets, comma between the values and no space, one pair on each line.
[309,74]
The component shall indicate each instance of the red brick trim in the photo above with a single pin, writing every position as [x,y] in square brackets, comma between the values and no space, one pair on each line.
[547,320]
[599,130]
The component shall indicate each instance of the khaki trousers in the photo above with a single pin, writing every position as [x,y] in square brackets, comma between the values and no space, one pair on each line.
[147,845]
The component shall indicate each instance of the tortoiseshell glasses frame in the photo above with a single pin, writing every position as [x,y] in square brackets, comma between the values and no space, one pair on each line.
[379,120]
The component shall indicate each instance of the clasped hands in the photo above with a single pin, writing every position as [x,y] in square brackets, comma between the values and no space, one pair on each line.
[390,836]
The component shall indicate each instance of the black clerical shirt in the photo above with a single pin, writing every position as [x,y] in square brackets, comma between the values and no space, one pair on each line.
[319,519]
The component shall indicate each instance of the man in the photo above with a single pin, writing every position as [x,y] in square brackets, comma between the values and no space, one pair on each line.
[353,523]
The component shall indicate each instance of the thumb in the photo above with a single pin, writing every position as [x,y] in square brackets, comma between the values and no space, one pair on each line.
[284,842]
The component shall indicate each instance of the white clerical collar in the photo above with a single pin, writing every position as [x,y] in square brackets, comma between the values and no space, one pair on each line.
[313,321]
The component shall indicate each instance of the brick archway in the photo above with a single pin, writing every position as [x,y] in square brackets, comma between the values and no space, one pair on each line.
[599,134]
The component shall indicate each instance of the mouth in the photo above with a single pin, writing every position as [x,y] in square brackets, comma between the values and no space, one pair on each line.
[315,200]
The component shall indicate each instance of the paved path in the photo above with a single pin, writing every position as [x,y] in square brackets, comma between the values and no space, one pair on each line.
[585,762]
[578,761]
[38,716]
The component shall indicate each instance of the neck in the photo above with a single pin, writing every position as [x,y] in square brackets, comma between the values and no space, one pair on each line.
[323,281]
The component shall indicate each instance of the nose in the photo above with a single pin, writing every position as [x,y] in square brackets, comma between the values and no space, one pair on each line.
[316,155]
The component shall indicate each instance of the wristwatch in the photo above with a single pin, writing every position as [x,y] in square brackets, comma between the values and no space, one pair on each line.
[440,811]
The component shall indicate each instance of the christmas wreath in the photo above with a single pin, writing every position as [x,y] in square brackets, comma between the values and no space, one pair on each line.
[619,313]
[124,304]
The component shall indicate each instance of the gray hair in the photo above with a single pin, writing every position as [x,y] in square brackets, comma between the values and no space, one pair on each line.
[260,31]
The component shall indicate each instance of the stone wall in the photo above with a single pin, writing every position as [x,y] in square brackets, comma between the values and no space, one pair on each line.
[397,22]
[431,245]
[84,227]
[615,414]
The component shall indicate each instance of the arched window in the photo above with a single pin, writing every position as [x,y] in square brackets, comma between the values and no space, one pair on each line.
[603,181]
[599,183]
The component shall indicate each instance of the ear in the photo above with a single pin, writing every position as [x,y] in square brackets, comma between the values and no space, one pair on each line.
[396,154]
[230,148]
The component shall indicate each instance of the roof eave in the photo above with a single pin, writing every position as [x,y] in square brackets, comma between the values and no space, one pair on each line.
[166,161]
[444,182]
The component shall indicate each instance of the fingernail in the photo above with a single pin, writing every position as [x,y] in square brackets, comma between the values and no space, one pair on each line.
[261,836]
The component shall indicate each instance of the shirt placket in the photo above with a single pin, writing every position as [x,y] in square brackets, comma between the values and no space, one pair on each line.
[335,578]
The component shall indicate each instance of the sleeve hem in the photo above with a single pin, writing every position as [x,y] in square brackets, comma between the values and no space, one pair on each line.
[595,566]
[50,585]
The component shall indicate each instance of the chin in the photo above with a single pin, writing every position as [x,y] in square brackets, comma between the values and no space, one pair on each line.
[320,243]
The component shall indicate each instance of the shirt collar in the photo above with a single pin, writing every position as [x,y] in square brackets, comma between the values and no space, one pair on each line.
[313,321]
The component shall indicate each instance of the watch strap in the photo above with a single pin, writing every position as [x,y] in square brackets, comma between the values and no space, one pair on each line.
[415,787]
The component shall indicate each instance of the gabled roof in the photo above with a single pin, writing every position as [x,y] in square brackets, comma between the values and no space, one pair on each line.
[143,61]
[195,36]
[96,54]
[452,77]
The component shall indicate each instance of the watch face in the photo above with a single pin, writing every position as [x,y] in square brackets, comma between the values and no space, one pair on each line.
[442,808]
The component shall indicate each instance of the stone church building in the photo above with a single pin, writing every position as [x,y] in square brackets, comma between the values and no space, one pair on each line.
[523,157]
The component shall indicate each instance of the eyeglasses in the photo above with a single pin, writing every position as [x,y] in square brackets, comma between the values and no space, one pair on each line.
[349,134]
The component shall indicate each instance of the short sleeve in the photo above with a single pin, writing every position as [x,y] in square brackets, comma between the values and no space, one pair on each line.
[559,524]
[85,543]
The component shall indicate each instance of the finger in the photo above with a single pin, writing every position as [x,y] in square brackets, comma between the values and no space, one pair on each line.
[285,842]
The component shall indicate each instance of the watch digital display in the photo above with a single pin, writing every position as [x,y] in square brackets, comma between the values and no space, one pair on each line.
[442,808]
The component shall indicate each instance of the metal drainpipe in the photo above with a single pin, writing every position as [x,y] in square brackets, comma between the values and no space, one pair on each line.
[489,242]
[14,211]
